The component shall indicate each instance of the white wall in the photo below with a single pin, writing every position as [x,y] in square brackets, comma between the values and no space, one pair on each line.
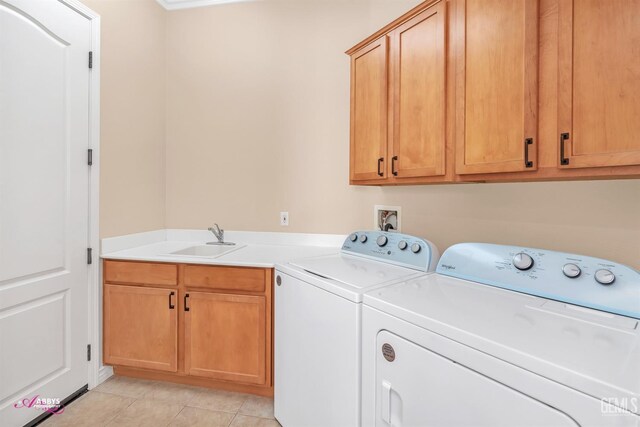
[248,105]
[258,123]
[132,181]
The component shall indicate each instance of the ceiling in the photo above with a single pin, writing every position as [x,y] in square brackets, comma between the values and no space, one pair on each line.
[187,4]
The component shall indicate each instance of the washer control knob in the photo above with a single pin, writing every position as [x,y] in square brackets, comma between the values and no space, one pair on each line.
[415,248]
[605,277]
[382,240]
[522,261]
[353,237]
[402,245]
[363,238]
[571,270]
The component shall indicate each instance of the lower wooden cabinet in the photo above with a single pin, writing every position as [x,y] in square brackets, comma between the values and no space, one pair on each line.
[210,326]
[225,337]
[141,327]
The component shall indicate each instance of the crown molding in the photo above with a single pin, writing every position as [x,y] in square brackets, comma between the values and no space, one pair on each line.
[188,4]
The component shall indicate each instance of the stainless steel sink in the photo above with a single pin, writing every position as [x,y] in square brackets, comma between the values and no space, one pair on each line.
[206,251]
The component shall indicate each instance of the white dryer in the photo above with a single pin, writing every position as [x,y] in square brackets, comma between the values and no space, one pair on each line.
[504,336]
[318,319]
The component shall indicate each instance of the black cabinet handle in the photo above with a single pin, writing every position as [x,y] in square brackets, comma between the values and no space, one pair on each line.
[527,163]
[563,139]
[380,172]
[394,172]
[186,308]
[171,305]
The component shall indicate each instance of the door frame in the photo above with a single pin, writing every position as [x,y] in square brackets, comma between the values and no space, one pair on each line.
[95,376]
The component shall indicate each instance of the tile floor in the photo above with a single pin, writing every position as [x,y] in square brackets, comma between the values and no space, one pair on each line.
[122,401]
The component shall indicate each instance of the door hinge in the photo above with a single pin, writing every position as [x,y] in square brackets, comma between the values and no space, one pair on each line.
[89,256]
[90,59]
[88,352]
[90,156]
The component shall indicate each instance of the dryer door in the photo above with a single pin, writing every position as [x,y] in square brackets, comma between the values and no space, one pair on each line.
[417,387]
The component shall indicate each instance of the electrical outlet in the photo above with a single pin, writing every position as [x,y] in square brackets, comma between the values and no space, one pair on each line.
[284,218]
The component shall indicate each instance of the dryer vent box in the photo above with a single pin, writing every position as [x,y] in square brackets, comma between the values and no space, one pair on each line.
[387,218]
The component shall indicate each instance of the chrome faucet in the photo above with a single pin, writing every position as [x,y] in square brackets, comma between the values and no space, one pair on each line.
[219,233]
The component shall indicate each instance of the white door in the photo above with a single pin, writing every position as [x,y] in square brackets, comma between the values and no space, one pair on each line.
[417,387]
[44,137]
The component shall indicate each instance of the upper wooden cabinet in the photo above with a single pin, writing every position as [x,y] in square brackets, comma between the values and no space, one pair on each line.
[418,72]
[369,111]
[398,100]
[599,83]
[496,88]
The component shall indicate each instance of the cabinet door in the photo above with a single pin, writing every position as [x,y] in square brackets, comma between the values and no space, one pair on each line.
[599,83]
[496,86]
[225,337]
[419,104]
[369,111]
[140,327]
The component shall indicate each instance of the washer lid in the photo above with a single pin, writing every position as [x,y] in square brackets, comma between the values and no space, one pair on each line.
[354,271]
[592,351]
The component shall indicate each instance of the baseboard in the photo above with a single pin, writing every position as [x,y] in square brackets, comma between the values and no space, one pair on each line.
[259,390]
[104,373]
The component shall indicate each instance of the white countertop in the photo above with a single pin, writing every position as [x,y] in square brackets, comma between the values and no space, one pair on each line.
[254,249]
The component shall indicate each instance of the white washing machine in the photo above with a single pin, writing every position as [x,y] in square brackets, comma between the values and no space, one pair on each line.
[504,336]
[318,318]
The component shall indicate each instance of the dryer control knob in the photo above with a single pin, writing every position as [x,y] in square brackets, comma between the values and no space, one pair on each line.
[522,261]
[353,237]
[605,277]
[363,238]
[415,248]
[402,245]
[571,270]
[382,240]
